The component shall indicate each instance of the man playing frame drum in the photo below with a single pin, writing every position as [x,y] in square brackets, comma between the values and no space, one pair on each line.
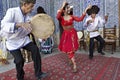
[15,27]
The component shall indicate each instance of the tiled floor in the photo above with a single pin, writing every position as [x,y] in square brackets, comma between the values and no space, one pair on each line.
[10,66]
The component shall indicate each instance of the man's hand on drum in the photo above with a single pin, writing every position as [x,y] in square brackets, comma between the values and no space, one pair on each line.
[26,26]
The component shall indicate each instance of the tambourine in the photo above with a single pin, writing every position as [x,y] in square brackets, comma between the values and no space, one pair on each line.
[42,26]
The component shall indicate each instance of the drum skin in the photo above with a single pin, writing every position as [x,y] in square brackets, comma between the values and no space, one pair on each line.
[42,26]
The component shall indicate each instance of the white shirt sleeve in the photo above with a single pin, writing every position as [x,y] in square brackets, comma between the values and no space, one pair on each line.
[7,23]
[85,24]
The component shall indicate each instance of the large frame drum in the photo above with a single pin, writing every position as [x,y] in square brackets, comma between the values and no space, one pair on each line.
[42,26]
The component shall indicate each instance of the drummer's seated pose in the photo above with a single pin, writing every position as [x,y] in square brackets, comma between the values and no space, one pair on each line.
[15,27]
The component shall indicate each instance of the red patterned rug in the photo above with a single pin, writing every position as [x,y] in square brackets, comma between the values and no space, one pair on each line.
[100,68]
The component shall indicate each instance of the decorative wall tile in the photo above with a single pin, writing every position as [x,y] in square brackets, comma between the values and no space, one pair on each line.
[1,10]
[51,7]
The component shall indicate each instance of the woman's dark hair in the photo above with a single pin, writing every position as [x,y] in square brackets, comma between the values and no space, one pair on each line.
[40,10]
[71,12]
[65,6]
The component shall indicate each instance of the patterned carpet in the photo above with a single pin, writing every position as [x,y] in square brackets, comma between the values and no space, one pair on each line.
[100,68]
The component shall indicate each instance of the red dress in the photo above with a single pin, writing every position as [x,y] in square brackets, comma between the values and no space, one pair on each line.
[69,39]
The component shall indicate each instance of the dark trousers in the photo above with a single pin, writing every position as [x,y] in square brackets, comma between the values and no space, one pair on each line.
[19,60]
[100,45]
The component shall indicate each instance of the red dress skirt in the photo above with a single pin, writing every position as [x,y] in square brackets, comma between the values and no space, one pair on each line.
[69,41]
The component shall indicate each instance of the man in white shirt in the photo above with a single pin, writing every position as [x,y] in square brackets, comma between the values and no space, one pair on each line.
[15,26]
[93,21]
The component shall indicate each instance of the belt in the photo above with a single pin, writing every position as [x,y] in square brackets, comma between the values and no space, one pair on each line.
[93,31]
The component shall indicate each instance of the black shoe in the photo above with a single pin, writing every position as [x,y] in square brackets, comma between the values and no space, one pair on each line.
[90,57]
[102,53]
[42,76]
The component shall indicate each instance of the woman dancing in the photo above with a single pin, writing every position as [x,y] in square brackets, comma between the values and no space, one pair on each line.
[69,40]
